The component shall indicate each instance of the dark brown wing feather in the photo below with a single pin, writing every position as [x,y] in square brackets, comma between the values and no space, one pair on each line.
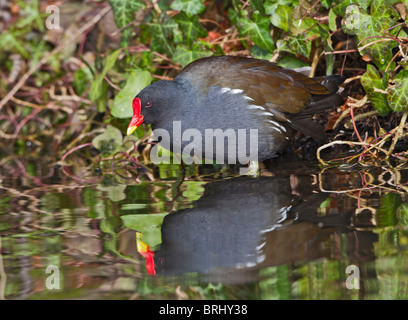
[269,85]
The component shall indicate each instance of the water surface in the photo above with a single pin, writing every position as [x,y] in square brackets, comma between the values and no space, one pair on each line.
[296,232]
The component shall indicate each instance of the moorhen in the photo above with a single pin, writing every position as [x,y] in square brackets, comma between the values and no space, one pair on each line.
[233,109]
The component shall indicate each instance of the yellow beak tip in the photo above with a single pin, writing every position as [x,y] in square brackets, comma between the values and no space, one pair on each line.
[130,130]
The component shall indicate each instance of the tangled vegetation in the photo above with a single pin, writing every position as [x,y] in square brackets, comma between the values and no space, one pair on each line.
[69,69]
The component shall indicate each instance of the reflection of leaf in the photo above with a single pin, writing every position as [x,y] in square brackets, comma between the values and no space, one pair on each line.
[94,201]
[122,105]
[194,190]
[148,224]
[402,214]
[386,213]
[108,142]
[115,193]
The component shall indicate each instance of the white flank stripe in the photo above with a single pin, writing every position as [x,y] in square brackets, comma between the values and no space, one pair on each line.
[254,106]
[267,114]
[277,124]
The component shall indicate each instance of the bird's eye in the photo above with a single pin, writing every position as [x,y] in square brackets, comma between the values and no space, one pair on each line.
[148,105]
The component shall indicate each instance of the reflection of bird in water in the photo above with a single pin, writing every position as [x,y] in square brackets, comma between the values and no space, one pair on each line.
[237,224]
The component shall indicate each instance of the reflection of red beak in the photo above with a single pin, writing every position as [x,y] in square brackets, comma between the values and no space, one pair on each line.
[137,118]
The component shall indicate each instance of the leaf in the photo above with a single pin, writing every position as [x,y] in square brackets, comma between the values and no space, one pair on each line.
[184,56]
[308,27]
[123,13]
[371,27]
[114,192]
[370,80]
[258,31]
[397,96]
[296,45]
[191,28]
[326,3]
[280,16]
[260,53]
[161,32]
[402,214]
[10,43]
[96,89]
[340,8]
[122,104]
[332,20]
[108,142]
[257,5]
[148,224]
[386,213]
[191,7]
[291,62]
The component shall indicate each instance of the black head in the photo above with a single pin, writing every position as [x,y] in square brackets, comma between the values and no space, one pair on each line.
[149,104]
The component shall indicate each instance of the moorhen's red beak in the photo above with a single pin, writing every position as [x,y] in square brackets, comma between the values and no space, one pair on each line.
[137,118]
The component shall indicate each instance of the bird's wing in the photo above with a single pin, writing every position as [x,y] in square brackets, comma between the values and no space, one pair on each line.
[275,88]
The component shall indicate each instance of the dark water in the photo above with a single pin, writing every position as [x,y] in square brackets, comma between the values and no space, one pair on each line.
[296,232]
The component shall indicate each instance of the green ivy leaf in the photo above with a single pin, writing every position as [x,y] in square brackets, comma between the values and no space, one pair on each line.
[308,27]
[122,104]
[291,62]
[257,5]
[341,5]
[326,3]
[191,7]
[370,27]
[96,86]
[370,80]
[260,53]
[184,55]
[332,20]
[161,31]
[123,13]
[258,31]
[281,16]
[296,45]
[191,28]
[397,96]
